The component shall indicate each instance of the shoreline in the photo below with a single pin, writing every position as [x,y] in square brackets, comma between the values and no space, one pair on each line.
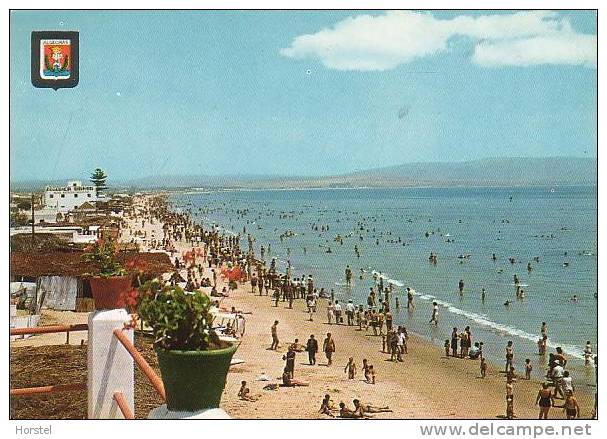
[456,391]
[426,385]
[490,325]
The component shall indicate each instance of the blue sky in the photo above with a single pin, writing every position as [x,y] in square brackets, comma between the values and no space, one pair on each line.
[302,93]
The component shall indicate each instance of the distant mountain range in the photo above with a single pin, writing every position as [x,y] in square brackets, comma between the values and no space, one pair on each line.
[549,171]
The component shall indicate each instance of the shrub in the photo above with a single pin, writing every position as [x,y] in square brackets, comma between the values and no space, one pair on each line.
[180,320]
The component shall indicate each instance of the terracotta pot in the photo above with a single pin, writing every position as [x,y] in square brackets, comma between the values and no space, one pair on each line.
[110,292]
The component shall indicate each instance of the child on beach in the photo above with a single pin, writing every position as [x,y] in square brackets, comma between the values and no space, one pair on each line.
[483,367]
[325,407]
[369,372]
[447,346]
[528,369]
[245,393]
[350,368]
[370,376]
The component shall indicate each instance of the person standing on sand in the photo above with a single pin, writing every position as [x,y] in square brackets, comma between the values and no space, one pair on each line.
[311,307]
[402,341]
[290,361]
[330,311]
[587,353]
[545,400]
[454,340]
[312,348]
[328,348]
[337,312]
[389,319]
[483,367]
[274,331]
[528,369]
[509,355]
[571,407]
[253,282]
[350,368]
[350,308]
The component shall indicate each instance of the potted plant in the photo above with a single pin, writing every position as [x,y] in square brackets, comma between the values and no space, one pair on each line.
[110,284]
[193,361]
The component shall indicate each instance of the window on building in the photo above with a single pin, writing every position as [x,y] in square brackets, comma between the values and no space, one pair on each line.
[88,195]
[75,195]
[62,195]
[51,196]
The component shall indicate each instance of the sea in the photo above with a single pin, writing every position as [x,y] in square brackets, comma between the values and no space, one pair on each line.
[554,229]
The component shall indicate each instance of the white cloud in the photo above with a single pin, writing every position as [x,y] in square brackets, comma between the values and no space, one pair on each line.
[384,42]
[573,49]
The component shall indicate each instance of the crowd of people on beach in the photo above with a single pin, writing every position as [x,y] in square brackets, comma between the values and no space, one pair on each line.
[222,254]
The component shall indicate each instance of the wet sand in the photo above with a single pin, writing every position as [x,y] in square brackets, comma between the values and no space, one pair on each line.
[426,385]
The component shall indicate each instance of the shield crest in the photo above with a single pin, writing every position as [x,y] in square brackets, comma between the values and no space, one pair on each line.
[55,57]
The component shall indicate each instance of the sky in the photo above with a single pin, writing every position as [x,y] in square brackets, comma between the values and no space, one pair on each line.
[302,93]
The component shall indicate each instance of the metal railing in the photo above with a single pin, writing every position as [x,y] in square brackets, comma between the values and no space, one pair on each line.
[141,363]
[123,405]
[26,391]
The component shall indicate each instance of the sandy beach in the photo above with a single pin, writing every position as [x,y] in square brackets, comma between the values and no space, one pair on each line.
[426,385]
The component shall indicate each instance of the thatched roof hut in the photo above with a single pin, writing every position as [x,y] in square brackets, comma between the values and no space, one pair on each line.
[58,263]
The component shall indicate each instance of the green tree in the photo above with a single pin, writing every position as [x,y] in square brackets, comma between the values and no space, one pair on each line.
[18,219]
[24,205]
[98,178]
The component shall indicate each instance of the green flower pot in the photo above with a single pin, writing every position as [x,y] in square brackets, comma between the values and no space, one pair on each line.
[194,380]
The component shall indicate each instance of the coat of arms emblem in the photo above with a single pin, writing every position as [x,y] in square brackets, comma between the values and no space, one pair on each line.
[54,59]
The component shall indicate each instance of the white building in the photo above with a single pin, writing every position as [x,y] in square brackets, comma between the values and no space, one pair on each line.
[67,198]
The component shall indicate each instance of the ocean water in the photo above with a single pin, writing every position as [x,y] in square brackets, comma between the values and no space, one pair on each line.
[465,226]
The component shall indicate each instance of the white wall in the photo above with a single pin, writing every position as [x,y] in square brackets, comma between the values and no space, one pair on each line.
[67,198]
